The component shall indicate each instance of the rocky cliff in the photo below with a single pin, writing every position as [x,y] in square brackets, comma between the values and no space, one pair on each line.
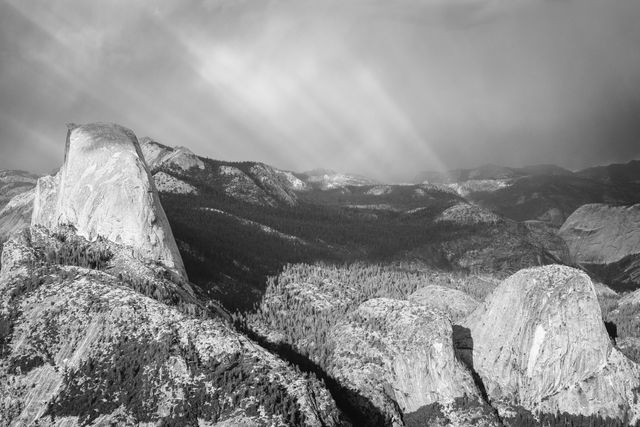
[539,342]
[13,183]
[99,326]
[104,189]
[400,356]
[16,214]
[260,184]
[16,201]
[158,155]
[602,234]
[453,302]
[325,179]
[81,345]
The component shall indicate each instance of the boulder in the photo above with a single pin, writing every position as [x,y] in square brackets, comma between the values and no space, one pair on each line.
[539,342]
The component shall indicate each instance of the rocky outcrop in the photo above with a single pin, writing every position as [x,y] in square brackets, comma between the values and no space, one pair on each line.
[16,201]
[166,183]
[278,184]
[260,184]
[16,215]
[539,342]
[465,188]
[104,189]
[83,346]
[160,156]
[602,234]
[400,356]
[325,179]
[455,303]
[467,214]
[13,183]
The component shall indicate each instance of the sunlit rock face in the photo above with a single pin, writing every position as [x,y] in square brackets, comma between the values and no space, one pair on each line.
[465,188]
[166,183]
[104,189]
[602,234]
[539,342]
[13,183]
[157,155]
[16,201]
[400,356]
[82,346]
[260,184]
[325,179]
[454,303]
[16,214]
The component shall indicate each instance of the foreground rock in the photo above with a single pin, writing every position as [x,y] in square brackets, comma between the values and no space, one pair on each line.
[400,358]
[539,342]
[104,189]
[82,346]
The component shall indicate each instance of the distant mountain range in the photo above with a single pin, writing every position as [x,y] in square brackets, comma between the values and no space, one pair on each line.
[613,173]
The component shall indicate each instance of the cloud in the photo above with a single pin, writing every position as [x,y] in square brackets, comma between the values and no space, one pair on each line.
[369,86]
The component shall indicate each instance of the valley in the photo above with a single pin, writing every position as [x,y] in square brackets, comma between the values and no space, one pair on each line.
[484,297]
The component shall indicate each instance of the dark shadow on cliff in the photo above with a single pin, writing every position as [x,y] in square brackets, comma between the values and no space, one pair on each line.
[612,330]
[359,410]
[463,346]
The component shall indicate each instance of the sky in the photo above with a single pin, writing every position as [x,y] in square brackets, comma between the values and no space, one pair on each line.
[384,88]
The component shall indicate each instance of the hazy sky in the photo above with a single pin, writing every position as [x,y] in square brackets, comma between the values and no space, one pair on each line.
[380,87]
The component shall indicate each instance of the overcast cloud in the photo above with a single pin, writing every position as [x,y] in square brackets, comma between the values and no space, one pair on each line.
[380,87]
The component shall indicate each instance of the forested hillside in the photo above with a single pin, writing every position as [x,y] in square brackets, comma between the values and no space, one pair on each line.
[231,245]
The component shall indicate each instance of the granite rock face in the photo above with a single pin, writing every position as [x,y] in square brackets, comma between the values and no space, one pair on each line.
[456,304]
[166,183]
[157,156]
[16,201]
[82,346]
[400,356]
[260,184]
[13,183]
[539,342]
[16,215]
[602,234]
[104,189]
[326,179]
